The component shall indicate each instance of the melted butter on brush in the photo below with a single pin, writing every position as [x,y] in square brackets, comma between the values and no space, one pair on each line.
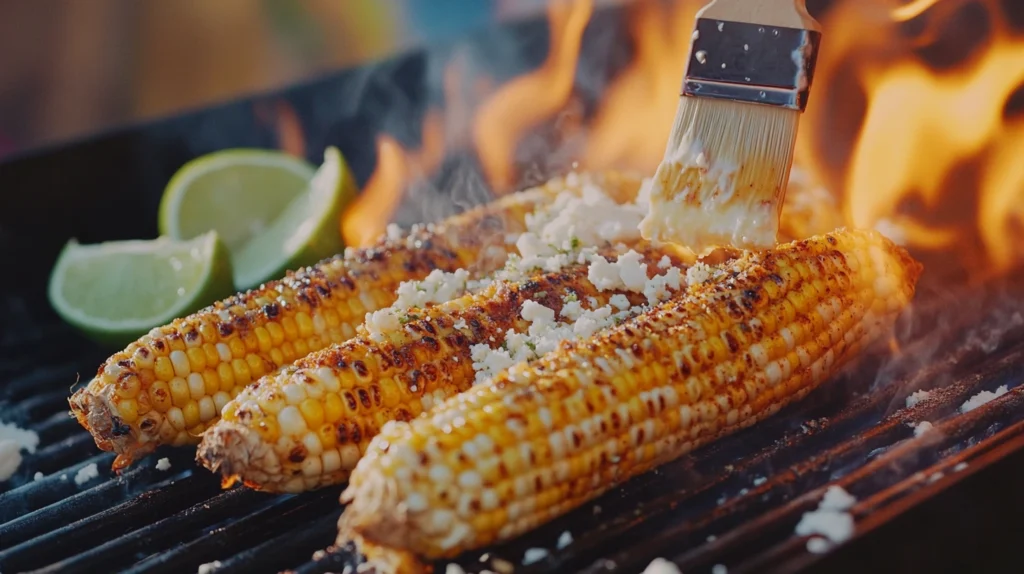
[723,179]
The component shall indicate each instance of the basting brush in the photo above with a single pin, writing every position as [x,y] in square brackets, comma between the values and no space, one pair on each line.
[723,179]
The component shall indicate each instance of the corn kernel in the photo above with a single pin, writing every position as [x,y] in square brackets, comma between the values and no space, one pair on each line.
[176,418]
[180,394]
[256,366]
[196,359]
[128,410]
[209,332]
[304,324]
[313,412]
[226,376]
[207,409]
[160,396]
[211,381]
[291,330]
[276,333]
[196,386]
[190,413]
[237,347]
[332,408]
[163,368]
[263,339]
[128,387]
[241,371]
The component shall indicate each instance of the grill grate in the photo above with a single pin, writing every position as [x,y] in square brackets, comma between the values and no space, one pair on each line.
[702,510]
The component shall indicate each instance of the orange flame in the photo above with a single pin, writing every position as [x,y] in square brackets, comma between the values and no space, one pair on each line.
[635,118]
[924,151]
[365,220]
[921,129]
[527,101]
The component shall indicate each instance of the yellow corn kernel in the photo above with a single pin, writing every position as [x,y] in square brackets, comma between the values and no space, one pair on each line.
[263,340]
[128,410]
[163,369]
[180,394]
[227,377]
[304,324]
[313,412]
[190,413]
[241,371]
[237,347]
[196,359]
[211,381]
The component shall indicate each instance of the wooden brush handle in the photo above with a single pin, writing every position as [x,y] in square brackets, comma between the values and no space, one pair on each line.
[783,13]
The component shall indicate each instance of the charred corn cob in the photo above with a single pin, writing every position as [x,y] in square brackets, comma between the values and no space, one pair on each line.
[540,439]
[307,425]
[170,385]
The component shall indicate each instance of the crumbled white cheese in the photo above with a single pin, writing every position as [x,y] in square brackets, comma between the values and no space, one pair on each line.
[12,441]
[502,566]
[700,272]
[86,473]
[719,569]
[543,336]
[760,480]
[438,287]
[917,397]
[460,324]
[661,566]
[922,427]
[564,539]
[209,567]
[382,321]
[38,476]
[836,498]
[453,568]
[959,466]
[10,458]
[982,398]
[393,231]
[665,262]
[830,520]
[163,464]
[817,545]
[534,555]
[619,301]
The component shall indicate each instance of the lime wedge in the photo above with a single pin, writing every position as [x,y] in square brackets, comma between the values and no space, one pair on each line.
[273,211]
[116,292]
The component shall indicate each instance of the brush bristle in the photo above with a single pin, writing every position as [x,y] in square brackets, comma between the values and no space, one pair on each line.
[723,179]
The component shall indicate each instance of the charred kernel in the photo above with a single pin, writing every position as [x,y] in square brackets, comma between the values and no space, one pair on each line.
[297,454]
[350,401]
[364,398]
[360,369]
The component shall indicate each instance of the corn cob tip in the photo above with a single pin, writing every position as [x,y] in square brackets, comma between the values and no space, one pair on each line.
[96,412]
[237,453]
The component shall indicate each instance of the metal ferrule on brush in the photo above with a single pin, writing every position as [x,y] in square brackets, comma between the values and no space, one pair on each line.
[751,63]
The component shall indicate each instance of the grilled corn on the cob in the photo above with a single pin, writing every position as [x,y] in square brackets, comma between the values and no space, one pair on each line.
[170,385]
[543,438]
[307,425]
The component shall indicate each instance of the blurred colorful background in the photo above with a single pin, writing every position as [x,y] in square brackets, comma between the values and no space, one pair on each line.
[73,67]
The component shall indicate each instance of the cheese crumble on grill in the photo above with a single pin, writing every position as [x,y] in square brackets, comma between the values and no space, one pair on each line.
[12,441]
[86,473]
[922,427]
[830,523]
[917,397]
[163,464]
[982,398]
[661,566]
